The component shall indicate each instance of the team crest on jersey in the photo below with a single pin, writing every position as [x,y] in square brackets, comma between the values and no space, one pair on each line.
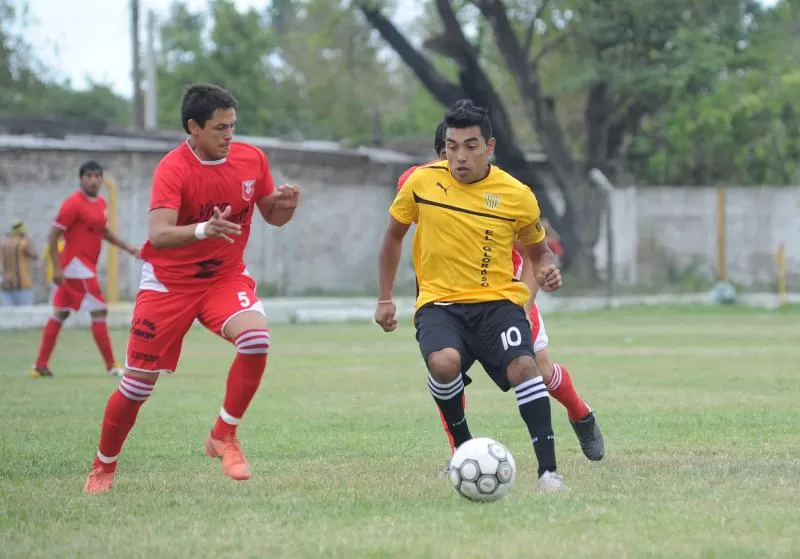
[248,187]
[492,201]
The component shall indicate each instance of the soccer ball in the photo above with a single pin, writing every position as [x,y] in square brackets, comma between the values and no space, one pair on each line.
[482,470]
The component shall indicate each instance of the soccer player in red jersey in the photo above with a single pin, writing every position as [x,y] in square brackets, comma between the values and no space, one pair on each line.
[204,196]
[556,377]
[82,222]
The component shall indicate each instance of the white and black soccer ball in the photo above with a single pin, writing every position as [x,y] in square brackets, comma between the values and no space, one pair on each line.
[482,470]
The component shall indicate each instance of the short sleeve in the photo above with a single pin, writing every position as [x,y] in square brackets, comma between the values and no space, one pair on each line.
[167,189]
[530,229]
[265,186]
[67,214]
[404,207]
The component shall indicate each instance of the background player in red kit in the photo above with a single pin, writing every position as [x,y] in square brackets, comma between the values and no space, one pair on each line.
[556,377]
[204,195]
[81,221]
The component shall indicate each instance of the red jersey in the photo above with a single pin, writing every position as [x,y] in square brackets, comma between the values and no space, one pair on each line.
[184,183]
[83,220]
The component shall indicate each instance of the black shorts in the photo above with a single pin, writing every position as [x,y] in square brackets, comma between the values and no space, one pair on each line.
[493,333]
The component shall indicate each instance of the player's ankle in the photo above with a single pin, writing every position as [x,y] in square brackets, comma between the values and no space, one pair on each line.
[108,467]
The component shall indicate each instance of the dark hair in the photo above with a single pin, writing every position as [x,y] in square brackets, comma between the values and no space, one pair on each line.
[90,167]
[440,137]
[200,100]
[465,114]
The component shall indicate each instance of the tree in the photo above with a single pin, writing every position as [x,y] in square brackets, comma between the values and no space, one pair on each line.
[618,55]
[26,90]
[300,69]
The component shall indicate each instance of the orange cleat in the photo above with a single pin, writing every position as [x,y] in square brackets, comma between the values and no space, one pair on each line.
[99,481]
[234,464]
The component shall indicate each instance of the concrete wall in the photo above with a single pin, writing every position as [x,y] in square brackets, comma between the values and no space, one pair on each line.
[668,233]
[331,246]
[661,234]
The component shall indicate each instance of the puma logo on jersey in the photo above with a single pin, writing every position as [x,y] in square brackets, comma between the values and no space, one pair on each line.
[443,187]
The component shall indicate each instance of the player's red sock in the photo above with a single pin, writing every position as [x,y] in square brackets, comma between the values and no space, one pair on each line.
[121,411]
[560,387]
[244,377]
[49,337]
[100,333]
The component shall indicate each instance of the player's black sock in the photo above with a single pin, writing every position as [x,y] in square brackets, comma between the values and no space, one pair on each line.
[534,407]
[450,399]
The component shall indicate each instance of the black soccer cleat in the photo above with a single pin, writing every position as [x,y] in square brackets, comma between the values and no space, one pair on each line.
[590,437]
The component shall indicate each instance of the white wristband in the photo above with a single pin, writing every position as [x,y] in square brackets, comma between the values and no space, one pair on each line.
[200,231]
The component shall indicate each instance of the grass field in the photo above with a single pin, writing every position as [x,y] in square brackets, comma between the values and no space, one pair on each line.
[699,409]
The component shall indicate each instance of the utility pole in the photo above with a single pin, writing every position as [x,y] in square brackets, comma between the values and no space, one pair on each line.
[151,95]
[137,120]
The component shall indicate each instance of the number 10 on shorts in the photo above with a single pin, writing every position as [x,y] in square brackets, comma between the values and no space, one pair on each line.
[511,338]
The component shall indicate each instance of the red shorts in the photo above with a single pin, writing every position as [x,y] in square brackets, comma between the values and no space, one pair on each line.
[161,320]
[70,295]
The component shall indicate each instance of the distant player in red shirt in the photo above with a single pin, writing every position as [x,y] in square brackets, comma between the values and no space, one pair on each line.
[556,377]
[204,196]
[82,222]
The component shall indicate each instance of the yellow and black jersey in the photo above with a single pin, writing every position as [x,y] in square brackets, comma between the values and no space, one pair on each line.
[465,234]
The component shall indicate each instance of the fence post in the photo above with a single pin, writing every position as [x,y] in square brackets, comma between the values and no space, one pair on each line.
[112,275]
[602,182]
[722,264]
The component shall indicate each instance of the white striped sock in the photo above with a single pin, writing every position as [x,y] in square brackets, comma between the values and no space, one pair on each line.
[445,391]
[530,390]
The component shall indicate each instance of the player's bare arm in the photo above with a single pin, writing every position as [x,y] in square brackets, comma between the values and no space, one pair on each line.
[278,208]
[165,233]
[388,262]
[109,236]
[547,274]
[52,250]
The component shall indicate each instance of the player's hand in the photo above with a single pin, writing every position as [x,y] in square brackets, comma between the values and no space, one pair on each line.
[385,316]
[218,227]
[287,197]
[135,253]
[549,278]
[58,277]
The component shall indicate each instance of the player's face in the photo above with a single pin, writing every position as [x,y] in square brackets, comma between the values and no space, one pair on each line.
[91,181]
[214,139]
[468,153]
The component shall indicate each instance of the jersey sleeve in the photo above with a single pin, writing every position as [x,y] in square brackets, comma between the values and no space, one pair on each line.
[167,188]
[404,208]
[264,185]
[530,230]
[67,214]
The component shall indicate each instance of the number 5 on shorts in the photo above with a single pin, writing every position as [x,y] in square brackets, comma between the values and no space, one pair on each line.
[511,337]
[244,300]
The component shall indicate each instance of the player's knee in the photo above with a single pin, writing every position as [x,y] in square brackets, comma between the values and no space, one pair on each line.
[445,364]
[99,314]
[61,316]
[520,369]
[544,365]
[137,386]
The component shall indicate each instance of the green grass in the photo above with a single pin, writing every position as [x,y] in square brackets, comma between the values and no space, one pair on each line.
[698,407]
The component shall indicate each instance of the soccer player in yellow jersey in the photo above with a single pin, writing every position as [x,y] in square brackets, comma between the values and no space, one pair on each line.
[469,306]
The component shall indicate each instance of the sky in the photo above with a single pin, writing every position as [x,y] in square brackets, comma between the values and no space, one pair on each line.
[83,39]
[89,40]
